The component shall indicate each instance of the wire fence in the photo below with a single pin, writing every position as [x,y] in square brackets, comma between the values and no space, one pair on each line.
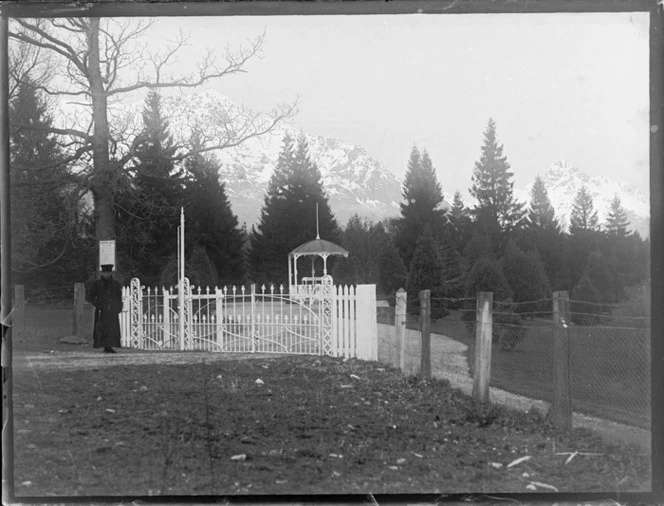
[609,348]
[609,352]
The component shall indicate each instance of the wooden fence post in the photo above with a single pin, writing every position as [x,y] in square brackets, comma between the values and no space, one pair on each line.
[425,333]
[399,329]
[561,404]
[483,332]
[79,301]
[18,320]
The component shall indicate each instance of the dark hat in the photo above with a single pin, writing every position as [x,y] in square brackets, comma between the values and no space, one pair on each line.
[107,268]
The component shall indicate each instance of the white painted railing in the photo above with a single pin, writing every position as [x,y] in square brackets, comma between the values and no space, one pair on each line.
[247,320]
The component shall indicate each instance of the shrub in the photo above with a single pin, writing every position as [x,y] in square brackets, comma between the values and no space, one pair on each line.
[527,278]
[487,276]
[584,304]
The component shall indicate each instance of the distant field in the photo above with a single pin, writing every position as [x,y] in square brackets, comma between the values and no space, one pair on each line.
[609,367]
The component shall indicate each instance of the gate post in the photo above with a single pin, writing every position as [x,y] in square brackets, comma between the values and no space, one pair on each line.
[326,296]
[135,313]
[188,314]
[365,320]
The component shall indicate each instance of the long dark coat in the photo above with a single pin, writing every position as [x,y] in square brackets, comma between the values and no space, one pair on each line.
[106,297]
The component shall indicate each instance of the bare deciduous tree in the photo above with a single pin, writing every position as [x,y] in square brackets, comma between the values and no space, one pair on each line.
[99,61]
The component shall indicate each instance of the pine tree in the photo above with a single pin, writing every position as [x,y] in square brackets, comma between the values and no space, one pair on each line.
[540,212]
[426,272]
[616,222]
[198,269]
[497,212]
[288,216]
[543,235]
[460,223]
[48,245]
[210,222]
[584,216]
[421,207]
[487,276]
[525,274]
[148,205]
[392,273]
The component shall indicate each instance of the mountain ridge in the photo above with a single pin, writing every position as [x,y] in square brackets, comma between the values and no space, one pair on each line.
[354,181]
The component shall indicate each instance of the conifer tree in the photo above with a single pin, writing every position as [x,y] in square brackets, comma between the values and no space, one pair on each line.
[198,269]
[148,205]
[497,213]
[210,221]
[460,223]
[487,276]
[584,216]
[543,235]
[540,211]
[616,222]
[392,273]
[422,196]
[426,273]
[584,234]
[48,243]
[372,257]
[524,272]
[288,216]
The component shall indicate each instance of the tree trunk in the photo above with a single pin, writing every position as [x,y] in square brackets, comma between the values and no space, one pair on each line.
[102,180]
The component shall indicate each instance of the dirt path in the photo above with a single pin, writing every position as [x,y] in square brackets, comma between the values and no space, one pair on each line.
[448,361]
[89,359]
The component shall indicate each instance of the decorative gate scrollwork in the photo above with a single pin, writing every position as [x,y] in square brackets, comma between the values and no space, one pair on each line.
[136,313]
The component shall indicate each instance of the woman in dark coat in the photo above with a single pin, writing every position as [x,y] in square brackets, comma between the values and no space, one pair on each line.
[106,297]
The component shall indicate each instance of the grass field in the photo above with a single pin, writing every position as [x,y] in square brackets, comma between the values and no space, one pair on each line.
[609,367]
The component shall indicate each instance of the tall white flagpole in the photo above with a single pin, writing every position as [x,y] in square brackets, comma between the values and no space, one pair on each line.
[182,241]
[181,301]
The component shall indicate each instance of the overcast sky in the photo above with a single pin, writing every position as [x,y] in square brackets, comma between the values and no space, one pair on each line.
[568,86]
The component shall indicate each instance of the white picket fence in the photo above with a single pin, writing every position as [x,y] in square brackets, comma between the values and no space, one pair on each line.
[339,321]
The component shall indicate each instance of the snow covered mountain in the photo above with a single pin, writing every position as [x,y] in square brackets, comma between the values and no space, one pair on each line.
[354,181]
[563,180]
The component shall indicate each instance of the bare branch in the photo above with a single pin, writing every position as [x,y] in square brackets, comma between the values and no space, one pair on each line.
[54,130]
[34,266]
[208,70]
[48,41]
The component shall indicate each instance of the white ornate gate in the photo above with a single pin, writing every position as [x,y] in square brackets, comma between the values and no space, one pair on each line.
[318,319]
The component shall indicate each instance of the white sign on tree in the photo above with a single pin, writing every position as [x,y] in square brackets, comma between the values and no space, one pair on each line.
[107,253]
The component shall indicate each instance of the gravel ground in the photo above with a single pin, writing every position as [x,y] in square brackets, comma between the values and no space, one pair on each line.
[448,361]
